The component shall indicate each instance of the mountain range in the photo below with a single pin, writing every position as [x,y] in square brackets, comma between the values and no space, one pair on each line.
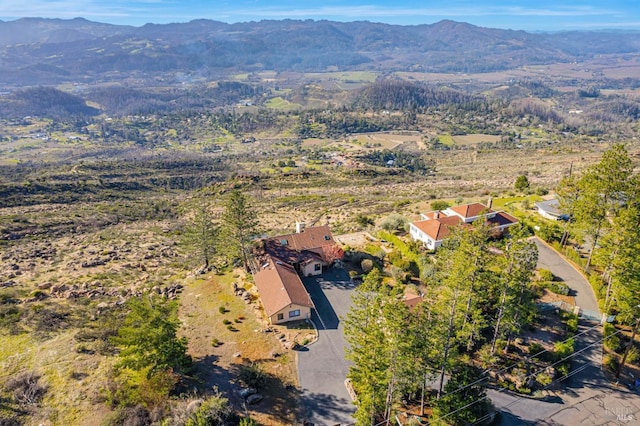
[36,51]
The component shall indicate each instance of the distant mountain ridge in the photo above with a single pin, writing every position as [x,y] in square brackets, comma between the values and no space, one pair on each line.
[48,51]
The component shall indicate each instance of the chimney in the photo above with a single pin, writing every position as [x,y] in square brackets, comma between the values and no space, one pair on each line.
[489,202]
[299,227]
[436,215]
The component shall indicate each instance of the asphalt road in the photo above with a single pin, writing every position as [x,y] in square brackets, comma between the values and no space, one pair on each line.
[322,368]
[586,397]
[549,259]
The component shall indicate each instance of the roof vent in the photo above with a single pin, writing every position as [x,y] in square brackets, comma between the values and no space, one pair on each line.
[284,242]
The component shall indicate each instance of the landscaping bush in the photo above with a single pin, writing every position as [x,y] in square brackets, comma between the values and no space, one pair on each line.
[572,325]
[558,288]
[611,339]
[563,349]
[563,370]
[633,355]
[544,379]
[366,265]
[545,275]
[610,362]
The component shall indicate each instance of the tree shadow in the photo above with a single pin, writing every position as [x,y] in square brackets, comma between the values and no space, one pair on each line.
[322,408]
[281,400]
[326,317]
[207,374]
[508,419]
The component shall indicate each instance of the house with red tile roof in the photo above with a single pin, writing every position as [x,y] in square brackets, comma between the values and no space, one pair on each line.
[283,295]
[433,227]
[283,260]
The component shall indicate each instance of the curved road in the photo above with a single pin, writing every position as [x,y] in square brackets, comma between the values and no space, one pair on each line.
[587,398]
[549,259]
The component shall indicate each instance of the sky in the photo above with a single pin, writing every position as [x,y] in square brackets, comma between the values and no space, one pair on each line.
[528,15]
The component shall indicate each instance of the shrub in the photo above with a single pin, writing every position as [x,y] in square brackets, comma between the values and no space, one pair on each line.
[611,339]
[572,325]
[247,422]
[364,221]
[137,415]
[26,388]
[440,205]
[226,322]
[213,411]
[546,275]
[215,342]
[633,355]
[394,222]
[563,349]
[366,265]
[522,183]
[222,310]
[558,288]
[610,362]
[544,379]
[563,370]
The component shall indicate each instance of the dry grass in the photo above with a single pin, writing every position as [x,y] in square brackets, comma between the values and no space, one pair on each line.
[474,139]
[246,343]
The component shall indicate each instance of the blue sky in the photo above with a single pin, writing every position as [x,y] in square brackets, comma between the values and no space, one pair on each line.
[530,15]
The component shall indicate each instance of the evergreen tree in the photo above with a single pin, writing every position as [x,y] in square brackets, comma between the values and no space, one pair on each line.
[201,232]
[148,338]
[239,225]
[599,194]
[465,401]
[515,302]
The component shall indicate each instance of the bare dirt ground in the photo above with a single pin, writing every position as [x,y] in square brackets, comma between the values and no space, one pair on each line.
[218,362]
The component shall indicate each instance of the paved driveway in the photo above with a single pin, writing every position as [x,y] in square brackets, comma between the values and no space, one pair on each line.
[586,398]
[549,259]
[322,369]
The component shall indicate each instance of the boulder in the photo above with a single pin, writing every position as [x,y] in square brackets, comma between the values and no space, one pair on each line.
[254,399]
[247,392]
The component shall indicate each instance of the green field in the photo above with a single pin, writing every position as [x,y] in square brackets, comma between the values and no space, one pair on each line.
[282,104]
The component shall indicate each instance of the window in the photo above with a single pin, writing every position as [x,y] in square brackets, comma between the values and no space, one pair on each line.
[284,242]
[317,267]
[280,317]
[293,314]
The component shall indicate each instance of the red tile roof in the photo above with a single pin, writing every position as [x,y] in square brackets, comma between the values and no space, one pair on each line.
[437,229]
[312,242]
[471,210]
[411,300]
[280,286]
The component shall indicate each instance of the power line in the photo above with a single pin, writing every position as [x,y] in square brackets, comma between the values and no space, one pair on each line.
[515,363]
[529,375]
